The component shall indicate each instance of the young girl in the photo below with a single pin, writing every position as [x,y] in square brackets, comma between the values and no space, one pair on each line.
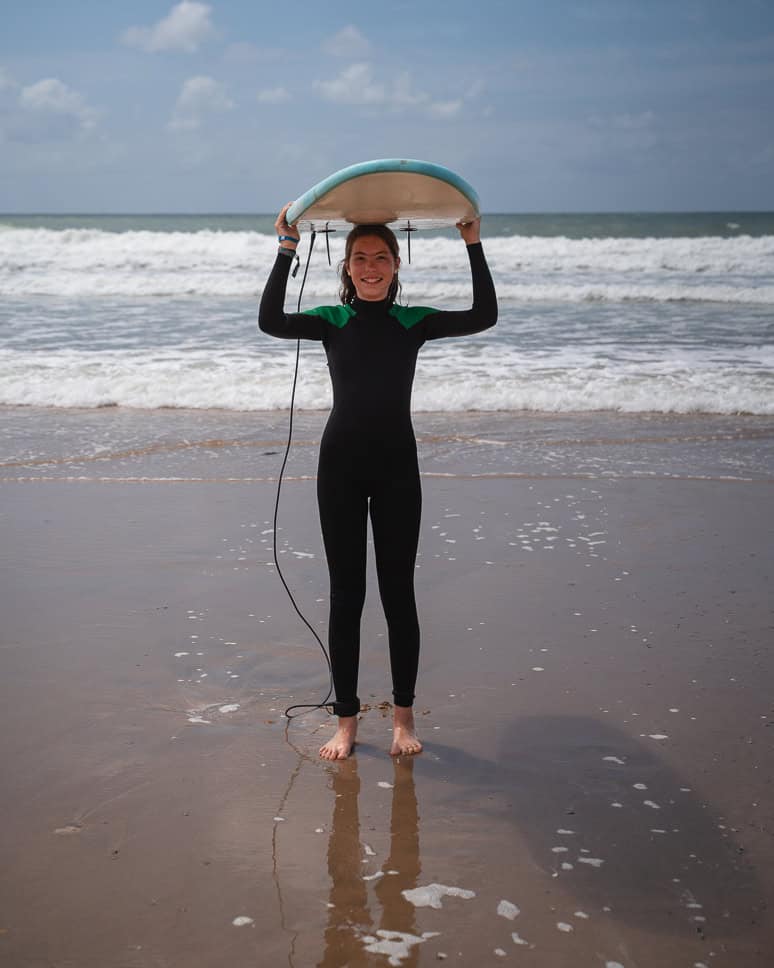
[368,453]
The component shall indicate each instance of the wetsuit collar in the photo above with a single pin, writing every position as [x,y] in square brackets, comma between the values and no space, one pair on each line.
[367,307]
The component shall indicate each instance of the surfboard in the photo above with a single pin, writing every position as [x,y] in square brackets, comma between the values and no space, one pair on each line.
[399,192]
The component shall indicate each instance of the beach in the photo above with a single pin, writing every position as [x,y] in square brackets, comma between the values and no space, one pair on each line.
[594,698]
[563,278]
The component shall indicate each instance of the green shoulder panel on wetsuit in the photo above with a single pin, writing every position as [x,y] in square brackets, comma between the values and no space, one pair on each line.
[336,315]
[409,316]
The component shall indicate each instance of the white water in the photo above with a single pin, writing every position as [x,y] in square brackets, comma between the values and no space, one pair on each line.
[90,262]
[149,319]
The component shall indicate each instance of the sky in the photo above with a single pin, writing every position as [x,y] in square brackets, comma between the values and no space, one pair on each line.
[242,105]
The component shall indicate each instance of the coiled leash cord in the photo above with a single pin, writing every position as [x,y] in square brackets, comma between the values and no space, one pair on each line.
[308,707]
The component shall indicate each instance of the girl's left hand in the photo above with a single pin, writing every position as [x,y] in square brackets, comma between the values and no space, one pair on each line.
[470,232]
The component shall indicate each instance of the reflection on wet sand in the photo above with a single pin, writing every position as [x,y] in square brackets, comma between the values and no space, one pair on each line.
[350,934]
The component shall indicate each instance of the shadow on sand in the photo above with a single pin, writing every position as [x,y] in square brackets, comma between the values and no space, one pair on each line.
[641,841]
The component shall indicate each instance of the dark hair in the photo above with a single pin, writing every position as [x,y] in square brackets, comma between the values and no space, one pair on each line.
[347,291]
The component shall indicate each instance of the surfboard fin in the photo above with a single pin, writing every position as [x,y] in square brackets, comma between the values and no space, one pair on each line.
[408,230]
[328,231]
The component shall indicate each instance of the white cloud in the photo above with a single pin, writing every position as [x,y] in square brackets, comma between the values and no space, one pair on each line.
[348,42]
[199,97]
[185,27]
[356,84]
[273,95]
[442,110]
[52,96]
[403,94]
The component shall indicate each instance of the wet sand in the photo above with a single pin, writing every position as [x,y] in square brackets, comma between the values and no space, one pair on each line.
[595,699]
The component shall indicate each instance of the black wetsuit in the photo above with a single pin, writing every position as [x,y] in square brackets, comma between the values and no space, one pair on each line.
[368,459]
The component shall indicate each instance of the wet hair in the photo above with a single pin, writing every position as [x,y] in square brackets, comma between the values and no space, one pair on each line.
[347,292]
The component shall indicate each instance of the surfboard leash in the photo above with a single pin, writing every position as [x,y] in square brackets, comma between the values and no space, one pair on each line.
[303,706]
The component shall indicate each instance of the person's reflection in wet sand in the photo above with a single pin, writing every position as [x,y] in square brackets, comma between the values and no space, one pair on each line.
[402,867]
[349,917]
[348,899]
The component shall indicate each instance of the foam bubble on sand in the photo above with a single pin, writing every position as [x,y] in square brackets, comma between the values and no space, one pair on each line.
[199,719]
[373,877]
[658,736]
[507,910]
[385,785]
[614,759]
[613,964]
[651,804]
[229,707]
[396,945]
[591,861]
[179,655]
[563,926]
[499,952]
[431,895]
[241,921]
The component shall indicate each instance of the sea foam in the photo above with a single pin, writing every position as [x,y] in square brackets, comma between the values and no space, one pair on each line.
[90,262]
[151,319]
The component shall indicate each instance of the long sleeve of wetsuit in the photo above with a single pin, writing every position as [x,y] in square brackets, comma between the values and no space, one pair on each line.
[481,315]
[272,317]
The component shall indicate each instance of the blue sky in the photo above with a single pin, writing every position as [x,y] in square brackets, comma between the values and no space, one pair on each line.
[241,105]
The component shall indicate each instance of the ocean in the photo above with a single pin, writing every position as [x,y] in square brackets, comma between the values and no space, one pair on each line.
[655,313]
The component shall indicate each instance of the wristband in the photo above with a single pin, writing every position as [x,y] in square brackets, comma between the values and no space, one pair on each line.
[288,238]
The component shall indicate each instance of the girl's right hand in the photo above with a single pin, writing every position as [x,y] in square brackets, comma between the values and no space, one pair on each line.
[470,231]
[291,234]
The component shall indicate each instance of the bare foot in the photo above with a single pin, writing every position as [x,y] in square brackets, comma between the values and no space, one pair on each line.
[404,736]
[343,742]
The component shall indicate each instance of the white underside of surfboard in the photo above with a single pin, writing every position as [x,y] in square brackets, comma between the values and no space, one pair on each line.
[411,195]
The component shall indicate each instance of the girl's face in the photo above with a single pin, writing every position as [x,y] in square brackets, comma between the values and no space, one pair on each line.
[372,267]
